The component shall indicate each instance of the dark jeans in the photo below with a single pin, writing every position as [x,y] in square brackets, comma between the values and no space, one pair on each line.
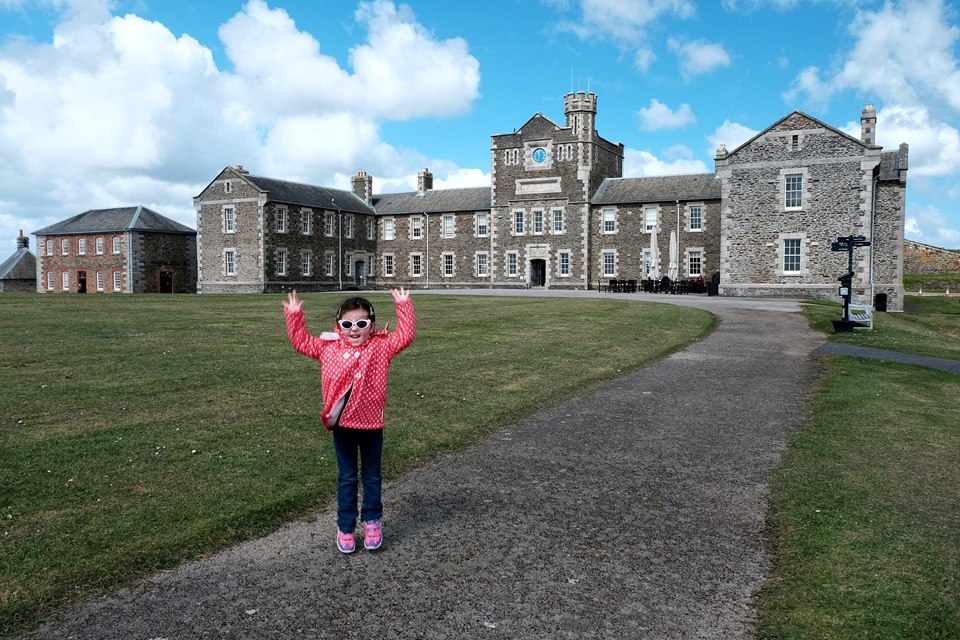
[348,445]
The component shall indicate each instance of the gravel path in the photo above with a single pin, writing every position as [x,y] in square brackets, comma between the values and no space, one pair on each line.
[634,512]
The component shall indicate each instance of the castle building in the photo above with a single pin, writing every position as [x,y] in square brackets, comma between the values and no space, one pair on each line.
[559,214]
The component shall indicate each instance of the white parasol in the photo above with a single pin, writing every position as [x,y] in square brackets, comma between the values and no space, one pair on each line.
[674,266]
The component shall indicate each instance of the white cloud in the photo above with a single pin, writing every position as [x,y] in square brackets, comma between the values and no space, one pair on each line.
[625,23]
[638,164]
[731,134]
[698,57]
[659,116]
[903,53]
[929,225]
[118,110]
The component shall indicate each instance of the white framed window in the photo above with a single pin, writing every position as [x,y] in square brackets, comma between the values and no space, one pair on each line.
[116,281]
[306,263]
[650,218]
[696,218]
[388,228]
[449,265]
[371,230]
[538,222]
[482,228]
[281,262]
[99,246]
[609,263]
[116,244]
[348,224]
[306,222]
[230,262]
[328,221]
[512,264]
[563,263]
[49,247]
[792,257]
[229,220]
[371,267]
[99,280]
[49,280]
[483,265]
[609,221]
[694,262]
[518,223]
[281,220]
[64,247]
[416,227]
[793,189]
[81,246]
[65,281]
[448,226]
[416,265]
[388,265]
[329,261]
[348,265]
[647,262]
[558,220]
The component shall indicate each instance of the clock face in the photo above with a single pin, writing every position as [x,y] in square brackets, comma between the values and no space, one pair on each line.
[539,155]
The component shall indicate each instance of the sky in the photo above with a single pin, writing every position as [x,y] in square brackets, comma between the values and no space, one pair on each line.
[142,102]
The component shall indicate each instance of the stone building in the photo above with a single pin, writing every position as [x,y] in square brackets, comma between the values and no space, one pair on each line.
[19,271]
[121,250]
[792,190]
[922,258]
[257,234]
[559,214]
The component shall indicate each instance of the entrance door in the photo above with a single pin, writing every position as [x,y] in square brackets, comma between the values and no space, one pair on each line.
[166,282]
[81,281]
[358,272]
[538,273]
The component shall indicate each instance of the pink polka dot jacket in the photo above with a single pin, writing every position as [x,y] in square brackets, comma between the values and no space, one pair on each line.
[354,379]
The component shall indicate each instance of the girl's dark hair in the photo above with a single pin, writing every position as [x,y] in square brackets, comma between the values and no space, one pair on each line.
[356,303]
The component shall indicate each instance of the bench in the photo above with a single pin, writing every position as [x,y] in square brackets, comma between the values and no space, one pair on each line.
[863,314]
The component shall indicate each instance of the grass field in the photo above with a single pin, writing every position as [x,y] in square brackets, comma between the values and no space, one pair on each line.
[141,431]
[866,511]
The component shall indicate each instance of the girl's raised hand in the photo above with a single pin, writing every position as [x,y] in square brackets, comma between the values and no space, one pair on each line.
[293,303]
[401,294]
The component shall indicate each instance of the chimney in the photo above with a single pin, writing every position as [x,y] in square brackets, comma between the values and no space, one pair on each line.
[239,169]
[424,181]
[868,125]
[362,186]
[23,242]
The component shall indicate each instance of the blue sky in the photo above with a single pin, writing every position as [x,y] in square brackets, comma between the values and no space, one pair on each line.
[119,103]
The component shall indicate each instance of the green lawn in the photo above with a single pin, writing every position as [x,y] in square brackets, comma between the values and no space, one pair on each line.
[866,511]
[141,431]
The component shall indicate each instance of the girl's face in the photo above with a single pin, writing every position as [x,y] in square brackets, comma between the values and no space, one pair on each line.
[354,334]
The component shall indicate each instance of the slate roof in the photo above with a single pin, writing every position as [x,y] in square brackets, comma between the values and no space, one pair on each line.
[115,220]
[891,162]
[309,195]
[22,265]
[443,200]
[698,186]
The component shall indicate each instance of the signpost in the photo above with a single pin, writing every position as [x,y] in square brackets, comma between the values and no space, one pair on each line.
[848,244]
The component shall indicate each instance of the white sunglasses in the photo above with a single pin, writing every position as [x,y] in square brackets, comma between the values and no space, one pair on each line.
[361,324]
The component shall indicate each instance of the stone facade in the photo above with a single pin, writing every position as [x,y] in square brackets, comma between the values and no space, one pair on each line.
[258,234]
[792,190]
[558,214]
[18,273]
[919,258]
[122,250]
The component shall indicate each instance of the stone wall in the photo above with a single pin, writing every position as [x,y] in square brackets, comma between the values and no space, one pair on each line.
[919,258]
[154,253]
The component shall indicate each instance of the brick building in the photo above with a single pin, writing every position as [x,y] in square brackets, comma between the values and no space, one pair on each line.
[121,250]
[558,214]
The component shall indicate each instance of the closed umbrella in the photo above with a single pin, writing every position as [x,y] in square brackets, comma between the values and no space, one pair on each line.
[674,265]
[654,255]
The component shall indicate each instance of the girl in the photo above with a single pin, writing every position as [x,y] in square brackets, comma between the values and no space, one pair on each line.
[353,364]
